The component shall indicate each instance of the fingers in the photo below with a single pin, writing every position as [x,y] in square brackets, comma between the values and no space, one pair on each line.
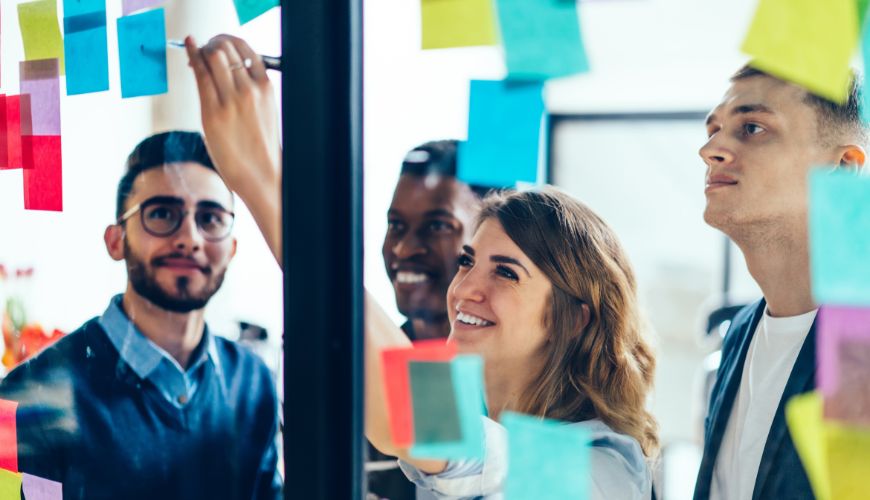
[257,69]
[208,95]
[239,71]
[219,66]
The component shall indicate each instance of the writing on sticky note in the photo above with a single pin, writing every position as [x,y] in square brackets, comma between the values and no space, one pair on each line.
[85,46]
[806,42]
[37,488]
[40,31]
[130,6]
[142,50]
[43,176]
[803,415]
[457,23]
[505,122]
[40,97]
[546,459]
[8,436]
[10,485]
[839,209]
[248,10]
[541,39]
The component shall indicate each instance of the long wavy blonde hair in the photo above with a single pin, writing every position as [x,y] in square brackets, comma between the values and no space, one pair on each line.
[605,369]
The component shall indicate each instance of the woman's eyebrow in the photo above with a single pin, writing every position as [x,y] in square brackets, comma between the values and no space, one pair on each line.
[502,259]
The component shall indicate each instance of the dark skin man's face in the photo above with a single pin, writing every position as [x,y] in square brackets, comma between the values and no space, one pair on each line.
[430,219]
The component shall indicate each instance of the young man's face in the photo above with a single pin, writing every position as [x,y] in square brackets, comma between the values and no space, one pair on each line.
[429,219]
[179,271]
[763,139]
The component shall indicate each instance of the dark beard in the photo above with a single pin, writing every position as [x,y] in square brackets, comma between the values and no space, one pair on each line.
[142,279]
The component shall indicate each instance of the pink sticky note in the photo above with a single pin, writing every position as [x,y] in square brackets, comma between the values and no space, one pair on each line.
[40,113]
[131,6]
[8,436]
[13,131]
[43,179]
[37,488]
[836,326]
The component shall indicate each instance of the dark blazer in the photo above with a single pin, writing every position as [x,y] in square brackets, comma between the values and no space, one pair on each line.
[780,473]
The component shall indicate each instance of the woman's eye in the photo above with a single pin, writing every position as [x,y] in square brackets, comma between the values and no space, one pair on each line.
[506,272]
[464,261]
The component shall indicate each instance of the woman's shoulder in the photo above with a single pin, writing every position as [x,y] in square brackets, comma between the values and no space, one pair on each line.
[619,467]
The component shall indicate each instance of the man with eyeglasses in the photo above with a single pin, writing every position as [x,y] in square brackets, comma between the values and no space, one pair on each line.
[144,401]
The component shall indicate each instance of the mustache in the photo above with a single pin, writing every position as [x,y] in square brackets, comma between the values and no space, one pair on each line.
[161,261]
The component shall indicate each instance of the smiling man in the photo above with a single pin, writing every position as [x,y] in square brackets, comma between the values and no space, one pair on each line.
[144,401]
[764,138]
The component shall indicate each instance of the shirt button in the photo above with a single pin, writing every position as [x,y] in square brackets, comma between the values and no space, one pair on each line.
[182,399]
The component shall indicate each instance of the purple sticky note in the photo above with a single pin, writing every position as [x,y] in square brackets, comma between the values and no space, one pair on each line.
[130,6]
[40,112]
[37,488]
[838,325]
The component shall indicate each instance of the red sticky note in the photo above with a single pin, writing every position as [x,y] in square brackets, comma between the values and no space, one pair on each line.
[43,179]
[8,436]
[10,144]
[397,384]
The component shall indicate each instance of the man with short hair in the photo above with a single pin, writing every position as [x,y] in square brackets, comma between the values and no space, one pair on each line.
[145,401]
[764,138]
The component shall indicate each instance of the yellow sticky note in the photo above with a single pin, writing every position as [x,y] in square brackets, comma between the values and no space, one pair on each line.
[804,417]
[458,23]
[10,485]
[40,31]
[848,450]
[807,42]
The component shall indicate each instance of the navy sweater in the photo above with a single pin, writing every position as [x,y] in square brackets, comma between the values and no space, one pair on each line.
[87,420]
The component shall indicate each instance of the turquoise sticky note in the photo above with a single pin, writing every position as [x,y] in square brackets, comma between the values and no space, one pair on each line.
[541,38]
[249,9]
[142,50]
[547,459]
[85,46]
[436,417]
[504,134]
[467,378]
[839,232]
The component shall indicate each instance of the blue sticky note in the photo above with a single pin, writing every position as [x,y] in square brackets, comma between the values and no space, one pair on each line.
[142,49]
[839,231]
[249,9]
[547,459]
[467,378]
[504,134]
[541,38]
[85,46]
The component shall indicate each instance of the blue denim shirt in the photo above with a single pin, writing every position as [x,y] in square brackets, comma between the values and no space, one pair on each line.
[152,363]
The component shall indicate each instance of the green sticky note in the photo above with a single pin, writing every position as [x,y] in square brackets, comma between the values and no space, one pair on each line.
[436,417]
[547,459]
[839,232]
[807,42]
[247,10]
[10,485]
[848,452]
[862,11]
[40,31]
[458,23]
[467,376]
[803,414]
[541,39]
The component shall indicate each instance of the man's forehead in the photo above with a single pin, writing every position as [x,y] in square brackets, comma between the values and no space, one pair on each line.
[188,181]
[765,91]
[426,192]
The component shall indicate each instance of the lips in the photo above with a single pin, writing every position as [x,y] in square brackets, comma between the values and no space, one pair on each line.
[719,181]
[182,263]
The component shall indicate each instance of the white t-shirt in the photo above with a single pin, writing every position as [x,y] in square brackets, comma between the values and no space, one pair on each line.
[769,362]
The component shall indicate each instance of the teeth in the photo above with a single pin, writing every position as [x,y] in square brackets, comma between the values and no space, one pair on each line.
[409,277]
[472,320]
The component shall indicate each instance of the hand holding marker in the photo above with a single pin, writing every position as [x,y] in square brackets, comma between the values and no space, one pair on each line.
[271,62]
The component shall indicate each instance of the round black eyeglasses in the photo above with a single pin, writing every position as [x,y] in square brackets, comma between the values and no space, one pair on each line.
[162,218]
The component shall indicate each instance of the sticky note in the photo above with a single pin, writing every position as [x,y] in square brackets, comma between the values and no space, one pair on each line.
[40,31]
[250,9]
[4,133]
[807,42]
[142,49]
[85,46]
[397,385]
[457,23]
[10,485]
[848,452]
[862,12]
[10,147]
[436,414]
[43,180]
[130,6]
[541,39]
[8,436]
[546,459]
[837,325]
[839,232]
[40,102]
[467,379]
[803,415]
[504,134]
[37,488]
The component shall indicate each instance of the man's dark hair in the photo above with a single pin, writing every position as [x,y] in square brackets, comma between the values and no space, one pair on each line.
[158,150]
[436,158]
[834,120]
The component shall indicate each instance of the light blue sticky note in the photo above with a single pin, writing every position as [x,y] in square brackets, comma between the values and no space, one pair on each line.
[249,9]
[85,46]
[467,377]
[142,50]
[504,134]
[541,38]
[547,460]
[839,230]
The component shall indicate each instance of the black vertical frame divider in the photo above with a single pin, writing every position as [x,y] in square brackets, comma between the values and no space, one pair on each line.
[322,242]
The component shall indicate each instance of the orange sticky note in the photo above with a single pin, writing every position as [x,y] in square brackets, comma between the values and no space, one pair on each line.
[8,436]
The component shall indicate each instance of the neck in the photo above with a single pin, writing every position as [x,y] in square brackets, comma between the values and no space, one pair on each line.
[505,387]
[176,333]
[431,328]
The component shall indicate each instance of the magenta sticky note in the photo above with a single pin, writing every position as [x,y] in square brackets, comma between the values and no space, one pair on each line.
[37,488]
[131,6]
[40,111]
[837,325]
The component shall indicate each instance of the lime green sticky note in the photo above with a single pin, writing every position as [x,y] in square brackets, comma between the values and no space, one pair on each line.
[10,485]
[40,31]
[807,42]
[804,417]
[862,11]
[458,23]
[848,450]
